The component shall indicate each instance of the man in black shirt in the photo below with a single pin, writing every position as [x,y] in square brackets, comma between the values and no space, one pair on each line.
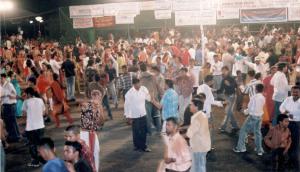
[112,73]
[68,67]
[228,87]
[74,162]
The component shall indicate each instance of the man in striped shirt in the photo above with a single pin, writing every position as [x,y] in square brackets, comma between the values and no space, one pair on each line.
[125,80]
[254,80]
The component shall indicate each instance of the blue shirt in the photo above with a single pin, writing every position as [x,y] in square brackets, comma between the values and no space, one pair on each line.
[55,165]
[169,104]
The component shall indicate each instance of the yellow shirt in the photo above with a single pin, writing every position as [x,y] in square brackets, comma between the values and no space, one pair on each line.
[198,132]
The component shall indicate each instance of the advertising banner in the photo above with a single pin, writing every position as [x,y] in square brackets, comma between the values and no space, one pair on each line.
[106,21]
[263,15]
[80,23]
[81,11]
[124,19]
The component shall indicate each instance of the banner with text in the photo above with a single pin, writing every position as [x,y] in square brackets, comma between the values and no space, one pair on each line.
[80,23]
[294,12]
[263,15]
[106,21]
[124,19]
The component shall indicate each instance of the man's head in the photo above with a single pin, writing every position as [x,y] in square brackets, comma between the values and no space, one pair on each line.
[283,120]
[72,133]
[155,70]
[169,84]
[282,67]
[259,88]
[216,58]
[273,70]
[296,92]
[258,76]
[197,103]
[136,83]
[30,92]
[171,126]
[143,67]
[183,71]
[225,71]
[72,151]
[46,148]
[124,69]
[209,80]
[3,78]
[251,74]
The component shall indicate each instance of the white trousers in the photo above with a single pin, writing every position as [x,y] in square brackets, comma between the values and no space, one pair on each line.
[84,135]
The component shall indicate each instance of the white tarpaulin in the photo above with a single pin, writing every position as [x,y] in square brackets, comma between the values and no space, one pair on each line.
[186,5]
[97,10]
[208,16]
[294,11]
[163,14]
[79,23]
[147,5]
[124,19]
[186,18]
[163,5]
[228,13]
[80,11]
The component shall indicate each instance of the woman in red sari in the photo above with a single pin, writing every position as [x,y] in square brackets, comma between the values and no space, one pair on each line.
[268,92]
[58,104]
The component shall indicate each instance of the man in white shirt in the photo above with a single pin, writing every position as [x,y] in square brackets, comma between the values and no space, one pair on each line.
[192,51]
[258,66]
[253,122]
[199,135]
[281,89]
[135,111]
[209,101]
[55,65]
[195,72]
[216,69]
[291,107]
[34,109]
[8,101]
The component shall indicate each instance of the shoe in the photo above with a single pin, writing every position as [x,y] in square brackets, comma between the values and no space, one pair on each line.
[222,130]
[234,130]
[238,151]
[136,149]
[260,153]
[35,165]
[147,150]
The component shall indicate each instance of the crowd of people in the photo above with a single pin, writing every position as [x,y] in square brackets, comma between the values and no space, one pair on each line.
[168,82]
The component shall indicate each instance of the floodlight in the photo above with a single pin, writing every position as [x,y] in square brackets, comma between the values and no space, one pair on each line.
[30,21]
[38,18]
[6,5]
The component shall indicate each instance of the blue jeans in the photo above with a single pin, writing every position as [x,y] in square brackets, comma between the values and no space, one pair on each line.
[2,158]
[153,117]
[105,103]
[113,92]
[230,99]
[251,124]
[276,112]
[199,162]
[70,87]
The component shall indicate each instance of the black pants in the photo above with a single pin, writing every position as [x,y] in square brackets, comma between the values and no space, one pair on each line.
[139,132]
[278,159]
[294,149]
[9,118]
[105,103]
[34,137]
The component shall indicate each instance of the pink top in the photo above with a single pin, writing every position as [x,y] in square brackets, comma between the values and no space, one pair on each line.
[179,150]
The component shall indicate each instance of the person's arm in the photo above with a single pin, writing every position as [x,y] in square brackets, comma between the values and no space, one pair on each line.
[289,142]
[193,128]
[221,87]
[127,105]
[283,108]
[268,138]
[250,64]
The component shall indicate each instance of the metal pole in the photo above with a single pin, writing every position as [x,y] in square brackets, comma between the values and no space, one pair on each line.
[0,30]
[202,44]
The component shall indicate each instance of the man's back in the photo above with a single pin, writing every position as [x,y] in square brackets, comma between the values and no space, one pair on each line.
[55,165]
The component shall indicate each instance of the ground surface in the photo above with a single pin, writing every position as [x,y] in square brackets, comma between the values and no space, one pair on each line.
[117,153]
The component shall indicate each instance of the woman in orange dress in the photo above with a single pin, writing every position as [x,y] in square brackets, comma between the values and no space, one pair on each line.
[58,104]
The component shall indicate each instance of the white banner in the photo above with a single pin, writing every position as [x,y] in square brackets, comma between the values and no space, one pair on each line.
[125,19]
[294,12]
[186,5]
[147,5]
[208,16]
[79,23]
[163,14]
[97,10]
[228,13]
[80,11]
[186,18]
[163,5]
